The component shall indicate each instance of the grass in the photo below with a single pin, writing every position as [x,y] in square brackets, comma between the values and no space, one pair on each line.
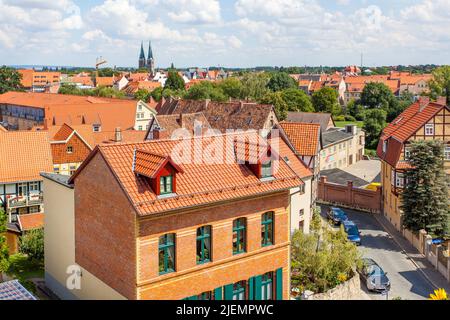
[23,269]
[342,124]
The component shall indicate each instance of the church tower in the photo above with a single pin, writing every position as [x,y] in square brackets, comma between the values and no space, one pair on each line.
[150,59]
[142,63]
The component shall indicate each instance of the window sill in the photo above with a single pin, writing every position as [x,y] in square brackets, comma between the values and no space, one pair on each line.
[166,272]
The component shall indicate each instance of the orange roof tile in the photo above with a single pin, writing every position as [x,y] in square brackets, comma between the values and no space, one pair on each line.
[149,164]
[24,154]
[303,136]
[200,183]
[31,221]
[105,81]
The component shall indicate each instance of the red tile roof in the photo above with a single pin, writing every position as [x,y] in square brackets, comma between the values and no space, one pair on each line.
[149,164]
[23,155]
[304,137]
[201,182]
[31,221]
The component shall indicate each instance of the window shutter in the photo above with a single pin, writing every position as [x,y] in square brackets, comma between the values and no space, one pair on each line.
[251,288]
[228,292]
[258,288]
[279,279]
[218,293]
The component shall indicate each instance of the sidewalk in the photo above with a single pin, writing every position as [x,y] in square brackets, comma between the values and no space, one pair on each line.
[433,276]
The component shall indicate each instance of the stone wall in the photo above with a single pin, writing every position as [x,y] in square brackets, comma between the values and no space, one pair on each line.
[350,290]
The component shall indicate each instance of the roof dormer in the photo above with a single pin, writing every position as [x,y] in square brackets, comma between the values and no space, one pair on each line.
[257,156]
[161,171]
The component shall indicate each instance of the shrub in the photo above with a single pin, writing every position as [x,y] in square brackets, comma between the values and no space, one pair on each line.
[32,244]
[350,118]
[339,118]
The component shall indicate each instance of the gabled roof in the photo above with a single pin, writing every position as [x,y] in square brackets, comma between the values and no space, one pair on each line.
[31,221]
[150,164]
[201,182]
[24,154]
[169,123]
[304,137]
[323,119]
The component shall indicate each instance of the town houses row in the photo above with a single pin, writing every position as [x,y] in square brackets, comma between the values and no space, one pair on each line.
[97,171]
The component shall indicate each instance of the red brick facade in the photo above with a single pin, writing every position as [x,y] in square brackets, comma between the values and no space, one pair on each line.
[121,249]
[60,153]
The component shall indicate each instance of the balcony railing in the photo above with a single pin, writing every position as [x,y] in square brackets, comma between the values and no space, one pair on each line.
[25,201]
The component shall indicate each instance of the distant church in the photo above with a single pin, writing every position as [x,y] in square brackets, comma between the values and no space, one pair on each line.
[148,63]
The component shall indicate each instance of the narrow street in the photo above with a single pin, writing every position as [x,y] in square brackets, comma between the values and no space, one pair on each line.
[407,281]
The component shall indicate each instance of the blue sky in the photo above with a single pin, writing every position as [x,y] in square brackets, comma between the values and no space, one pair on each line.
[232,33]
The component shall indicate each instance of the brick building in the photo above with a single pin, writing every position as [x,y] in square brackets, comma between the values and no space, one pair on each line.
[147,227]
[39,81]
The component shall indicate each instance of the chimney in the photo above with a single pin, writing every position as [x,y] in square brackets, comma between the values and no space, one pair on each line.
[118,135]
[423,102]
[442,101]
[156,134]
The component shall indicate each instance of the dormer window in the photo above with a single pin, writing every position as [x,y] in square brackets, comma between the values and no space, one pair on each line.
[429,129]
[266,169]
[97,128]
[165,184]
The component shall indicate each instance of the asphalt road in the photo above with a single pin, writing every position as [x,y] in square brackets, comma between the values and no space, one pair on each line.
[407,282]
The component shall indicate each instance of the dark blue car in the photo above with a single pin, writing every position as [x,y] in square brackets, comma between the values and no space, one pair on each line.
[337,216]
[352,231]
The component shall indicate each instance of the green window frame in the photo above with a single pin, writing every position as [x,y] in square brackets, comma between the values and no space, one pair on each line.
[267,286]
[239,235]
[204,239]
[166,249]
[239,290]
[166,185]
[267,229]
[266,169]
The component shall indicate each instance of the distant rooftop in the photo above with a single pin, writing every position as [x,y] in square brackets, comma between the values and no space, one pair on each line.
[13,290]
[58,178]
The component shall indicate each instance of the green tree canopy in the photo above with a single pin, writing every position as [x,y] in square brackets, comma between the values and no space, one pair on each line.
[326,100]
[32,244]
[143,95]
[377,95]
[157,93]
[4,253]
[10,80]
[373,125]
[231,87]
[440,85]
[425,200]
[297,100]
[276,99]
[174,81]
[205,90]
[107,72]
[280,81]
[254,86]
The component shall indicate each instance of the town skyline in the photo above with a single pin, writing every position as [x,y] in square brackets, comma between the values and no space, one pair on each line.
[242,33]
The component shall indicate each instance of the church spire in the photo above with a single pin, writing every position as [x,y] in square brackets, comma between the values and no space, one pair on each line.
[142,63]
[150,52]
[150,59]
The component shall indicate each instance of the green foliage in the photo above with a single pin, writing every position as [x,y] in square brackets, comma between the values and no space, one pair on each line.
[143,95]
[32,244]
[254,86]
[440,85]
[104,92]
[297,100]
[10,80]
[4,253]
[316,220]
[356,110]
[377,95]
[205,90]
[157,94]
[322,260]
[231,87]
[281,81]
[425,197]
[107,72]
[174,81]
[374,124]
[326,100]
[276,99]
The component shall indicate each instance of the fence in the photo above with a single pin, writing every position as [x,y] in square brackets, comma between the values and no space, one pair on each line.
[349,196]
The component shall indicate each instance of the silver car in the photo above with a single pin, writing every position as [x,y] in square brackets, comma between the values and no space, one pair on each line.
[374,276]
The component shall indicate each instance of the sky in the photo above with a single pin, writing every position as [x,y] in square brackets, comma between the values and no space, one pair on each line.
[228,33]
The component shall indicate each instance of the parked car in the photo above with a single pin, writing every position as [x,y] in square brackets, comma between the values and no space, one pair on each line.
[336,216]
[353,233]
[374,277]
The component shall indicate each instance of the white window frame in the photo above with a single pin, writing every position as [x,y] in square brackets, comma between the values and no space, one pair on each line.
[400,180]
[429,129]
[33,186]
[407,153]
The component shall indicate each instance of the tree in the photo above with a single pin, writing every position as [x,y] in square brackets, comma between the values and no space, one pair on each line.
[377,95]
[10,80]
[275,99]
[32,244]
[281,81]
[425,197]
[143,95]
[107,72]
[373,125]
[4,253]
[254,86]
[326,100]
[231,87]
[297,100]
[174,81]
[440,85]
[205,90]
[356,110]
[71,89]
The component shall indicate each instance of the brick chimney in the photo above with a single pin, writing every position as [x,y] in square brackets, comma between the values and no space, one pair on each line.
[423,102]
[442,101]
[118,135]
[156,134]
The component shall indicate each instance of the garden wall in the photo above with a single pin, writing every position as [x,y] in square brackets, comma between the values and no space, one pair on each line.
[350,290]
[349,196]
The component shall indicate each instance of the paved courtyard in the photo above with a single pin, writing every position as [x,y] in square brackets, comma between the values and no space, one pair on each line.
[361,173]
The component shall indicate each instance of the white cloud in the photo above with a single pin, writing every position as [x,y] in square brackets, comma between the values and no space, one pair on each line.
[194,11]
